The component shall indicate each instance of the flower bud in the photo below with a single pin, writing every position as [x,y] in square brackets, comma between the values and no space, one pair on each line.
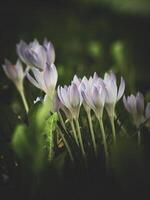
[113,94]
[135,106]
[14,73]
[32,54]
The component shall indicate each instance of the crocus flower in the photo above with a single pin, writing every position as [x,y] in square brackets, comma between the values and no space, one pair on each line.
[32,54]
[50,52]
[14,73]
[113,94]
[86,88]
[135,106]
[45,80]
[147,114]
[76,81]
[94,96]
[71,98]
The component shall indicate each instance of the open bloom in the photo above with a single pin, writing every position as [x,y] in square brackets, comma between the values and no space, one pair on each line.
[113,94]
[14,73]
[45,80]
[94,94]
[135,106]
[71,99]
[32,54]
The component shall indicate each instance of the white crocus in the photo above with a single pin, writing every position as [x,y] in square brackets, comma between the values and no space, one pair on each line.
[71,99]
[16,74]
[94,96]
[93,92]
[45,80]
[32,54]
[135,106]
[147,114]
[113,94]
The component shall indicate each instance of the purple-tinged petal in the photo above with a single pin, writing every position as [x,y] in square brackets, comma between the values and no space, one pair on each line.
[76,80]
[33,81]
[87,99]
[121,89]
[126,105]
[10,70]
[74,96]
[39,76]
[95,76]
[19,69]
[50,76]
[132,104]
[147,111]
[21,47]
[140,103]
[49,48]
[65,97]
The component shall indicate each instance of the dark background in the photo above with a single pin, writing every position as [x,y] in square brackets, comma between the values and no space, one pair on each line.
[84,33]
[88,36]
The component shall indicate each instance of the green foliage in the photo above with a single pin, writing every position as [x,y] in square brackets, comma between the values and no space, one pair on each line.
[49,129]
[19,140]
[31,142]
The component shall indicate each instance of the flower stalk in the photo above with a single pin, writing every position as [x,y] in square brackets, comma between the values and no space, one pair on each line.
[104,140]
[61,120]
[92,132]
[113,129]
[139,137]
[66,144]
[74,131]
[24,100]
[80,137]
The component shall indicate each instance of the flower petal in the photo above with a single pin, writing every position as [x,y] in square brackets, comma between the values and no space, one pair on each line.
[121,89]
[147,111]
[140,103]
[50,76]
[126,105]
[75,99]
[33,81]
[49,48]
[21,47]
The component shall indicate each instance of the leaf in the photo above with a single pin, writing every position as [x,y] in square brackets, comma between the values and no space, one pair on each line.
[50,126]
[38,115]
[20,140]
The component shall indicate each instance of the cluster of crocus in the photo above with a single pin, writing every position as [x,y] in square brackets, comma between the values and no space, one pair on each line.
[95,94]
[39,59]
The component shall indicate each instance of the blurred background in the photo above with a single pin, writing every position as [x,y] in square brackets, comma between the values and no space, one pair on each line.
[88,36]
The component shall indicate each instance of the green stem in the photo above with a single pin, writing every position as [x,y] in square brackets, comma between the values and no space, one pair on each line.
[80,137]
[104,140]
[74,131]
[122,127]
[66,144]
[113,129]
[139,138]
[61,120]
[24,101]
[92,132]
